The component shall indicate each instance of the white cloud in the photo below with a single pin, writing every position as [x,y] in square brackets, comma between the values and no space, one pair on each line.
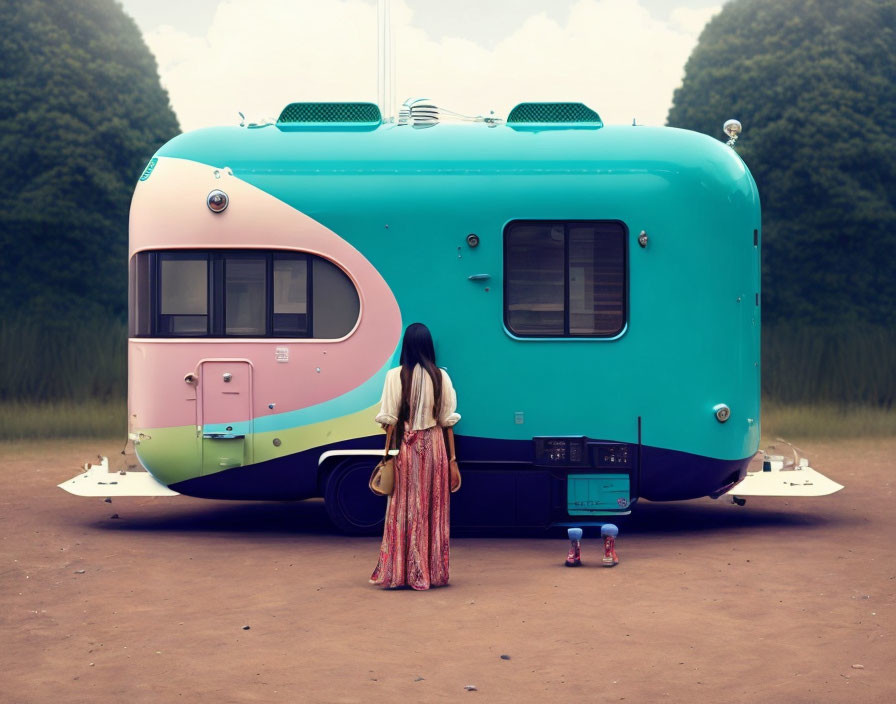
[692,20]
[612,55]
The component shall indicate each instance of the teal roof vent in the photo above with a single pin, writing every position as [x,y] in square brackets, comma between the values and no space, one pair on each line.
[558,115]
[330,116]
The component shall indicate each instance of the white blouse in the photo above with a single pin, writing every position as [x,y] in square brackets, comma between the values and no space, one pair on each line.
[421,400]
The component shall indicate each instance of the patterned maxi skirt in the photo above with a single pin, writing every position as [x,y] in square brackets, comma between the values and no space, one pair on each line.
[414,551]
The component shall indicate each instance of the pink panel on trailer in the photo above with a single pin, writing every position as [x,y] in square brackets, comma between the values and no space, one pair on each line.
[168,211]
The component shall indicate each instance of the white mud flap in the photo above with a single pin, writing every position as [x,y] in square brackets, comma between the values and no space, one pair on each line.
[783,478]
[98,481]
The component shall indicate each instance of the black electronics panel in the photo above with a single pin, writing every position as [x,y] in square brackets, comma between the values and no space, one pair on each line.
[581,453]
[611,455]
[562,452]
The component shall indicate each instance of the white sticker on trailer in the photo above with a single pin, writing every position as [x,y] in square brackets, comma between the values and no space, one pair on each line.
[281,354]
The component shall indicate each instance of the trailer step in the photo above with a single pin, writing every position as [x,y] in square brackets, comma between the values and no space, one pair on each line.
[800,480]
[98,481]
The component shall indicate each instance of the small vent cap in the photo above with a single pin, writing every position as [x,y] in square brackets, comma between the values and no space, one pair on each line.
[418,112]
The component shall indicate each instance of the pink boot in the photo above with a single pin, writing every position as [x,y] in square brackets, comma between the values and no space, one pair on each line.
[609,533]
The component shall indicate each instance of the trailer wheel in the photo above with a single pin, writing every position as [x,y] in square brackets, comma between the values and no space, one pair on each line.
[350,504]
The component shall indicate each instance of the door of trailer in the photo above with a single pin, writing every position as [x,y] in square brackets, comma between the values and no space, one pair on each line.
[225,389]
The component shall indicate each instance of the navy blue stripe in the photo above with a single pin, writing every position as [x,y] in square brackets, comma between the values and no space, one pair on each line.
[665,475]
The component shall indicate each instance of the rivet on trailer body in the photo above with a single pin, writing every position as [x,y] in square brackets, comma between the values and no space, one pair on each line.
[642,239]
[722,412]
[276,442]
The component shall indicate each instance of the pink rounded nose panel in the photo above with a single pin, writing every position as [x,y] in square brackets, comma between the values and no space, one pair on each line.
[169,212]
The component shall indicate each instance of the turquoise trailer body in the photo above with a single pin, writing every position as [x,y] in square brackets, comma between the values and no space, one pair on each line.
[638,404]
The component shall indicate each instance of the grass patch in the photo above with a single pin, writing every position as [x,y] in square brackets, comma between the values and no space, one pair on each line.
[63,419]
[791,421]
[850,366]
[62,360]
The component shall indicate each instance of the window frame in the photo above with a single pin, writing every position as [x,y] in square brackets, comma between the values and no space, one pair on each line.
[216,292]
[566,335]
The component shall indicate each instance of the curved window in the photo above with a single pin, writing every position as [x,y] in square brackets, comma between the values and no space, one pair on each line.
[565,278]
[224,293]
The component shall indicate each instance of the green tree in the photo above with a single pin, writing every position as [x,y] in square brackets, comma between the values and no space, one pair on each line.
[81,111]
[814,84]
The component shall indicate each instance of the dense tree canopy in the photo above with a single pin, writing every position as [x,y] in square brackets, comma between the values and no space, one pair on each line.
[814,84]
[81,111]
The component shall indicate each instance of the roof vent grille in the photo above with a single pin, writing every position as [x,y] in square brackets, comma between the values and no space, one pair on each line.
[322,113]
[554,113]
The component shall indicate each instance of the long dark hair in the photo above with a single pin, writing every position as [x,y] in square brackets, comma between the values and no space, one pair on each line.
[417,348]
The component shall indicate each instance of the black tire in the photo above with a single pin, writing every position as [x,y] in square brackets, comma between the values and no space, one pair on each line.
[350,504]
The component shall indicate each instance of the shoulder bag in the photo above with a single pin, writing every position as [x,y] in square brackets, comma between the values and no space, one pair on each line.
[382,480]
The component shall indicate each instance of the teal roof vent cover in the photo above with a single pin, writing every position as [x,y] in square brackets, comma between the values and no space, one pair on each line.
[306,114]
[554,114]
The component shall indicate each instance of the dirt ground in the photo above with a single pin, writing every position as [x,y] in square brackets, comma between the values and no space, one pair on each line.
[783,600]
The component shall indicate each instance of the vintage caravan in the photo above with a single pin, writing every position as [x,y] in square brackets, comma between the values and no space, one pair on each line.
[594,292]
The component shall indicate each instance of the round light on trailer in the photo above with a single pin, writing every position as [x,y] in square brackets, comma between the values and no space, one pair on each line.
[732,128]
[217,201]
[722,412]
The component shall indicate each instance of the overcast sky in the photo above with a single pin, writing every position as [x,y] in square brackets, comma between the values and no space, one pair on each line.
[623,58]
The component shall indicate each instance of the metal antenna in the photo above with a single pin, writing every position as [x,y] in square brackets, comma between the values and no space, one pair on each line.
[385,63]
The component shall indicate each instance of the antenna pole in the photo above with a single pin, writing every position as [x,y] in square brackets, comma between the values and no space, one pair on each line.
[385,76]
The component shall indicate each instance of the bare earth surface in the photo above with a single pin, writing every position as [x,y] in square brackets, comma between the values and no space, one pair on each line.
[783,600]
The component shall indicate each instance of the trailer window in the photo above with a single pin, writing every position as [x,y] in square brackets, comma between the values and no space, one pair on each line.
[565,279]
[534,299]
[183,300]
[240,294]
[336,303]
[291,297]
[244,296]
[139,296]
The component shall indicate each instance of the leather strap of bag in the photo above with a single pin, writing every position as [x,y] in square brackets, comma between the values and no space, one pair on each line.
[389,433]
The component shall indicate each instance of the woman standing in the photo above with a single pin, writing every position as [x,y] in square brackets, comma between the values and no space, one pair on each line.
[418,404]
